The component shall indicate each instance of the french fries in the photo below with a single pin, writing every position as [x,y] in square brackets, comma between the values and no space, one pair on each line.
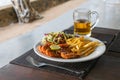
[82,46]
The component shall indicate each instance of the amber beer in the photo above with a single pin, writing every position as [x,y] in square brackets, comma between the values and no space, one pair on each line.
[84,21]
[82,27]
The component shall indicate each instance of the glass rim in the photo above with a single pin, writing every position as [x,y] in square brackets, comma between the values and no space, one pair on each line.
[82,10]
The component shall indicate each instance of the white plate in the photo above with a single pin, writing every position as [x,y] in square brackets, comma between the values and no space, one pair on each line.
[98,52]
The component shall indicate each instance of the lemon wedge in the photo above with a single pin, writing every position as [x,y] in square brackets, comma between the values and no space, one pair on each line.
[55,47]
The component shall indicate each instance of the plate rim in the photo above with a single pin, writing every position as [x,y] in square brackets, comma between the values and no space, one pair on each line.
[80,59]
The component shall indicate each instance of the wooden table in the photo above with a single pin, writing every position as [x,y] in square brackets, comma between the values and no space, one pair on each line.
[16,72]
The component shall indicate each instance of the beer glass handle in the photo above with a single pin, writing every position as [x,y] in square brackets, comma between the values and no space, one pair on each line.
[94,18]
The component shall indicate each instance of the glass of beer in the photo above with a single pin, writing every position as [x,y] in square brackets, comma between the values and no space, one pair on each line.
[84,21]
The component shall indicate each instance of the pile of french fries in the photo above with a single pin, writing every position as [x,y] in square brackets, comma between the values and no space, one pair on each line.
[82,46]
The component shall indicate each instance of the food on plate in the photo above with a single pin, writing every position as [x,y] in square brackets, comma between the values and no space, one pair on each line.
[67,46]
[56,37]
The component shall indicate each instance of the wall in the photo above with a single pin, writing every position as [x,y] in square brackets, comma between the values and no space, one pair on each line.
[8,15]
